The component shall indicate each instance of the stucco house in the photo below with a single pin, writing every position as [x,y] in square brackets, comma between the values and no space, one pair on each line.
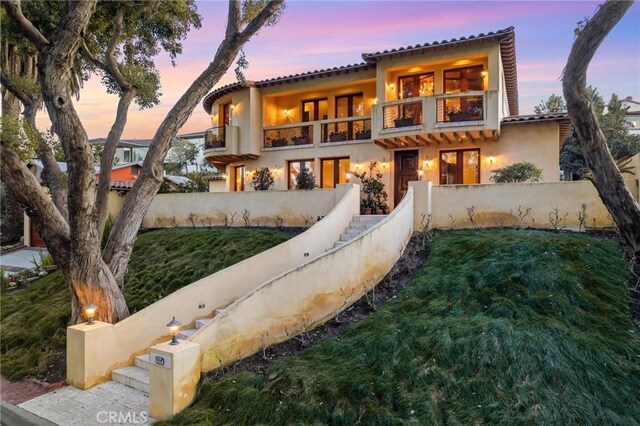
[445,111]
[633,115]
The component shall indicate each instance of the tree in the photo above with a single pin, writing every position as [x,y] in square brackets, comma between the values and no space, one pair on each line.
[118,40]
[262,179]
[184,153]
[607,179]
[553,104]
[620,142]
[305,179]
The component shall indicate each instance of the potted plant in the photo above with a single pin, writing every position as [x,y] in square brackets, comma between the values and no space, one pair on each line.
[363,134]
[338,136]
[456,114]
[279,142]
[217,144]
[300,140]
[375,197]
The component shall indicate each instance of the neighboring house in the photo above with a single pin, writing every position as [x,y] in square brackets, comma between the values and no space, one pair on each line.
[633,115]
[443,111]
[128,151]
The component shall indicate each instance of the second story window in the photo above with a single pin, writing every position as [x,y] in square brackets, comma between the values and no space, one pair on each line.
[225,117]
[463,79]
[350,106]
[314,110]
[415,85]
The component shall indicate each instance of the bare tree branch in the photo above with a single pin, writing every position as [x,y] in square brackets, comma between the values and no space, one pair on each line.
[106,161]
[14,9]
[120,244]
[233,19]
[607,179]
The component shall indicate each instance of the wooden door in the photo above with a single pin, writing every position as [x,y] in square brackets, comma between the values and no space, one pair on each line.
[406,170]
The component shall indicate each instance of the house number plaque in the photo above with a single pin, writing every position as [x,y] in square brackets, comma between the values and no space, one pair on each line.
[160,360]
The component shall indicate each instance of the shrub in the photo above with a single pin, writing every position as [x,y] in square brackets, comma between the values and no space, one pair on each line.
[262,179]
[108,225]
[517,172]
[305,179]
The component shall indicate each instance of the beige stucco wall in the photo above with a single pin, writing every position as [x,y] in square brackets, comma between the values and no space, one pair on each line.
[293,206]
[137,333]
[303,297]
[497,204]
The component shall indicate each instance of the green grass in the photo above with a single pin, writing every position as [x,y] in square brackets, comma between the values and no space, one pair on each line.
[499,327]
[34,319]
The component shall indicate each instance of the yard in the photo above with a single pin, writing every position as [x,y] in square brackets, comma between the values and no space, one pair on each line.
[34,319]
[499,327]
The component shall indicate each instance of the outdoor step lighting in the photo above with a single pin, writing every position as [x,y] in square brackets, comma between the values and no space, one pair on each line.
[89,312]
[173,329]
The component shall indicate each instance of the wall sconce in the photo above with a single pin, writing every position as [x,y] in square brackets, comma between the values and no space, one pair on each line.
[420,173]
[384,163]
[357,165]
[392,86]
[484,73]
[348,176]
[491,159]
[426,164]
[89,312]
[173,329]
[224,176]
[374,101]
[286,112]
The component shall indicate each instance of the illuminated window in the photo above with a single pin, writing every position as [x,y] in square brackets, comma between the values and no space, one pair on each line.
[461,167]
[315,109]
[239,178]
[350,106]
[334,171]
[463,79]
[295,167]
[415,85]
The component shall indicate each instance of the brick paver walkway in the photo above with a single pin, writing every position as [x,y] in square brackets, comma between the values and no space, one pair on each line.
[18,392]
[106,403]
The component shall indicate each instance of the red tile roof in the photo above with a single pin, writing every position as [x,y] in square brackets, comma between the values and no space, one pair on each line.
[506,37]
[557,116]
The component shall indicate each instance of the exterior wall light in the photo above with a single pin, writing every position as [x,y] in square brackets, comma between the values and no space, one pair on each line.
[420,173]
[491,159]
[392,86]
[286,112]
[348,176]
[173,329]
[90,311]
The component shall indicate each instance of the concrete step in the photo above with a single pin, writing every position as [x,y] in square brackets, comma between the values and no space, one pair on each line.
[339,244]
[142,361]
[202,322]
[134,377]
[185,334]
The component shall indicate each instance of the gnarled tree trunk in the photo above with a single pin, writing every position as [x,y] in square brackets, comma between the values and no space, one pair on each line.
[607,179]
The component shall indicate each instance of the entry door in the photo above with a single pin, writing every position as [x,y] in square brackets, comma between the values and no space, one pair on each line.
[406,170]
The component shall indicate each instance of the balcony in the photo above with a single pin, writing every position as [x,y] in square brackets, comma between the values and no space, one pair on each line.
[328,132]
[222,146]
[348,129]
[450,118]
[288,135]
[215,138]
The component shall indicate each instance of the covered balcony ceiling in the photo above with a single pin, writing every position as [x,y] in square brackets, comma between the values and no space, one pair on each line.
[438,138]
[224,159]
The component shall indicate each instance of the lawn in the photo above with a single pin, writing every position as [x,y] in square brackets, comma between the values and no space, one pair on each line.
[499,327]
[34,319]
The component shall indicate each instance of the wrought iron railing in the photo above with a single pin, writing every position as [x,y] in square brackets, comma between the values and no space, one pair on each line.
[288,136]
[402,114]
[452,109]
[214,137]
[346,130]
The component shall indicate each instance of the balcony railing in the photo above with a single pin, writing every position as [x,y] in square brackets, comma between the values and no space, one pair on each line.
[288,136]
[346,130]
[460,109]
[214,137]
[402,113]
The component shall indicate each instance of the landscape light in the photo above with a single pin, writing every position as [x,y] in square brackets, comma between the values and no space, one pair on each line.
[173,329]
[90,311]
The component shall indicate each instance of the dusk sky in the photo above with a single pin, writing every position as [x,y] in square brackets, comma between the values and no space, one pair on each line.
[313,35]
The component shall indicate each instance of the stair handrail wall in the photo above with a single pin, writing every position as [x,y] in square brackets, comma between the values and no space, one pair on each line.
[91,356]
[308,295]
